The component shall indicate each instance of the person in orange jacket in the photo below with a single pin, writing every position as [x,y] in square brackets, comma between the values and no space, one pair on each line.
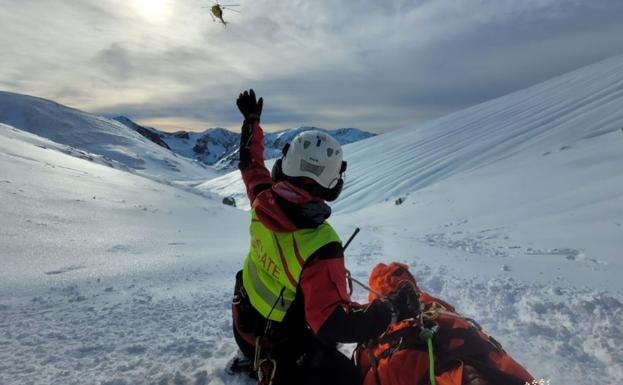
[291,304]
[463,354]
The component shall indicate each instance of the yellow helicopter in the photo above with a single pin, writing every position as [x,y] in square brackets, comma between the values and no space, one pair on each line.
[217,11]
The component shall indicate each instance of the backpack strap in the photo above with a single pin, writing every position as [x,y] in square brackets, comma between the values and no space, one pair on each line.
[374,363]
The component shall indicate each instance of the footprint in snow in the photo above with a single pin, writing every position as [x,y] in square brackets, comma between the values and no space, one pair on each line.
[64,270]
[36,223]
[136,349]
[568,253]
[120,249]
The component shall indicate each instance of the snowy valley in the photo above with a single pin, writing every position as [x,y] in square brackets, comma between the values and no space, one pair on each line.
[118,264]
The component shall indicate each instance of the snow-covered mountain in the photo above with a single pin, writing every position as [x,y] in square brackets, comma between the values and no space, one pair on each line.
[97,135]
[512,210]
[220,147]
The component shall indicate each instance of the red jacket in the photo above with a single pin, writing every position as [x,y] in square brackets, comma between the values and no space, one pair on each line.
[283,207]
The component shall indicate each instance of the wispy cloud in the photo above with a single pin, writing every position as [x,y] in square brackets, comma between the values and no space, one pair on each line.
[371,64]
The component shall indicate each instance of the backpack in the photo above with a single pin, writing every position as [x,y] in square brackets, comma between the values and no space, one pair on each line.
[463,353]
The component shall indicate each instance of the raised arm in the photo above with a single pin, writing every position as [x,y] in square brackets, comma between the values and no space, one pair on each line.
[254,174]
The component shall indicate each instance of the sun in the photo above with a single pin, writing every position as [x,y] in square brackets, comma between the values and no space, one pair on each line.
[153,10]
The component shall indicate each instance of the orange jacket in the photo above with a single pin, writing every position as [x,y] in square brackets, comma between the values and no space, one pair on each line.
[400,357]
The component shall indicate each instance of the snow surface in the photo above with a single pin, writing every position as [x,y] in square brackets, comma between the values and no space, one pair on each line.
[107,277]
[98,135]
[511,210]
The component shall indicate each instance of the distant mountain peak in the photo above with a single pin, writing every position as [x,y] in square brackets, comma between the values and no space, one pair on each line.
[220,147]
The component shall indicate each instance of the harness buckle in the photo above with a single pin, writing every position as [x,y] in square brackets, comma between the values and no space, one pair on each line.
[266,372]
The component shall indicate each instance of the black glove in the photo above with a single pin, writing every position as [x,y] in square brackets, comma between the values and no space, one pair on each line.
[406,301]
[250,108]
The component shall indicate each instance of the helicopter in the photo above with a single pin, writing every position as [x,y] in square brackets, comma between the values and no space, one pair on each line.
[217,11]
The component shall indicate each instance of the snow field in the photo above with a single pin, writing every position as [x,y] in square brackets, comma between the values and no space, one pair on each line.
[171,328]
[561,333]
[108,277]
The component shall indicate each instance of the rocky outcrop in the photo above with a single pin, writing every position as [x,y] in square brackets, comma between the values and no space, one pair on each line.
[148,132]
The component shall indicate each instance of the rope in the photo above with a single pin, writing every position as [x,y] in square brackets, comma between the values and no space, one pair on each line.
[427,335]
[260,339]
[363,285]
[350,278]
[431,359]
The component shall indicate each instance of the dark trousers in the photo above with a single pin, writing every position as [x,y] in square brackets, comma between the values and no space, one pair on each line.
[312,364]
[301,358]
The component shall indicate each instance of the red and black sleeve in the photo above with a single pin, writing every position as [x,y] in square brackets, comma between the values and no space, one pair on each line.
[329,310]
[254,173]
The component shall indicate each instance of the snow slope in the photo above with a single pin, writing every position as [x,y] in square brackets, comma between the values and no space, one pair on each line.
[545,119]
[230,185]
[107,276]
[97,135]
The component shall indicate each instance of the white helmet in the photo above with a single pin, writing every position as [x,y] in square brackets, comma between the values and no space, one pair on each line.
[315,155]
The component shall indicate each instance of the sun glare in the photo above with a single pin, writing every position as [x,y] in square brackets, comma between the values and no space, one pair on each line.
[153,10]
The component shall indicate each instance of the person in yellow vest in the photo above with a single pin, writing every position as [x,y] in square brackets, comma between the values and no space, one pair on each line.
[291,305]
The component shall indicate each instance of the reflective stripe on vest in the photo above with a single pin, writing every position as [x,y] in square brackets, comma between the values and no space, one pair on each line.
[274,264]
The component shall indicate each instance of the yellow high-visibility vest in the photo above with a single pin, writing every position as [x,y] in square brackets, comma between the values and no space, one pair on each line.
[274,264]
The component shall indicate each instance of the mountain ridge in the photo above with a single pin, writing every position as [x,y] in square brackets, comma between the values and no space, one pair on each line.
[97,135]
[219,147]
[172,157]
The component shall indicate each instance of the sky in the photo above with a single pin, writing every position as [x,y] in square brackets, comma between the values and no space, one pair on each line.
[375,65]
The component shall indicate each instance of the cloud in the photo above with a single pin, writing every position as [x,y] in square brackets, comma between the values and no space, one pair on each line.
[369,64]
[116,61]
